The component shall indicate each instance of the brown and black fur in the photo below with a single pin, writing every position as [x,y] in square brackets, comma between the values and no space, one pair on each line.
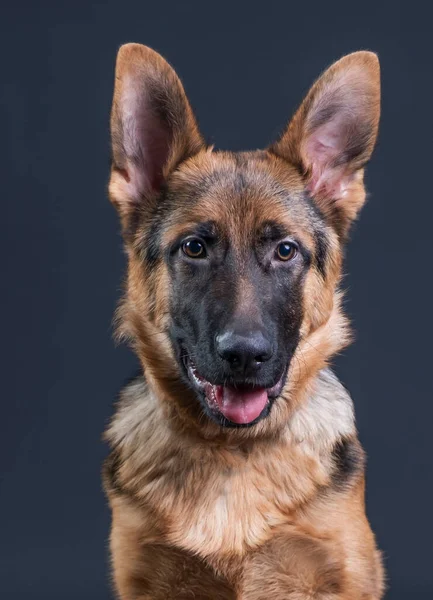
[202,509]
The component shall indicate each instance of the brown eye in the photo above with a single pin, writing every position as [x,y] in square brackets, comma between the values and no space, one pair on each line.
[194,249]
[286,251]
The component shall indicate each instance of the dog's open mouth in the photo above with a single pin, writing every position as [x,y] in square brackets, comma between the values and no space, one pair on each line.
[240,404]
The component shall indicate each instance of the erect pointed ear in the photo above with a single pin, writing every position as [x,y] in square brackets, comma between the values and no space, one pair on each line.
[152,126]
[332,135]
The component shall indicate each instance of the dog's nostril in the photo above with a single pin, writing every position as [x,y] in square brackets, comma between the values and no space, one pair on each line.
[260,358]
[232,358]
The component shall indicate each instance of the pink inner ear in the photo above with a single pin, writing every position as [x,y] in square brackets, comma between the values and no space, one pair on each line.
[323,149]
[146,139]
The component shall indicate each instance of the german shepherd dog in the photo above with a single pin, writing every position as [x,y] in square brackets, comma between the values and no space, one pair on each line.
[235,470]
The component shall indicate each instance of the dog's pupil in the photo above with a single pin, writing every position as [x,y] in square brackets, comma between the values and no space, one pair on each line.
[285,250]
[194,248]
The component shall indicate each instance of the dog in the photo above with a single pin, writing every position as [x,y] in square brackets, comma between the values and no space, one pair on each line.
[235,470]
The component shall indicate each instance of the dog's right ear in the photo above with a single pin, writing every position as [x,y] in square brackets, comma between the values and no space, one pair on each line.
[152,126]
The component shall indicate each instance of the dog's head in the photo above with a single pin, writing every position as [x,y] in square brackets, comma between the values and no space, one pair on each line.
[232,298]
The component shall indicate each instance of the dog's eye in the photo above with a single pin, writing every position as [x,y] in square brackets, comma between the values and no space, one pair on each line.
[194,249]
[286,251]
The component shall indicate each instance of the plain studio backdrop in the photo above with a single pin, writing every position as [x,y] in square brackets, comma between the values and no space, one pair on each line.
[245,66]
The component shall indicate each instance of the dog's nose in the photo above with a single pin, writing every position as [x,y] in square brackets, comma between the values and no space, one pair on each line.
[243,351]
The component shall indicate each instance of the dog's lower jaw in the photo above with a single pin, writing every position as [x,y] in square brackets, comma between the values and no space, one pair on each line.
[236,405]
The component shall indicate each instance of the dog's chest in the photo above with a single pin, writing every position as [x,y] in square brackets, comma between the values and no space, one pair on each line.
[234,511]
[227,516]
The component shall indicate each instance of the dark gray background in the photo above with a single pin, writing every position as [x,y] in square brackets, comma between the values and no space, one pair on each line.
[245,66]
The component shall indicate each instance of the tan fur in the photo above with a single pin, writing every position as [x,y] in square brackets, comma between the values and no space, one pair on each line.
[200,511]
[227,503]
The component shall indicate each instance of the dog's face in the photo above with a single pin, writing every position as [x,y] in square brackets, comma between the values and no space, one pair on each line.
[234,259]
[237,258]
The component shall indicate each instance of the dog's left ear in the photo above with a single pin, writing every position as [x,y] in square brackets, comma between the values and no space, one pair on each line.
[333,133]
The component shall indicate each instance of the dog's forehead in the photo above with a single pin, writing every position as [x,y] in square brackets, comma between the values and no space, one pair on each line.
[240,191]
[223,174]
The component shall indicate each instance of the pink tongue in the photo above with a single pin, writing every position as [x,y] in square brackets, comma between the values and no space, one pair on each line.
[240,406]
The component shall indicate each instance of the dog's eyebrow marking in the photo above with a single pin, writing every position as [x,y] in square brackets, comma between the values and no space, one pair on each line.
[206,230]
[272,232]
